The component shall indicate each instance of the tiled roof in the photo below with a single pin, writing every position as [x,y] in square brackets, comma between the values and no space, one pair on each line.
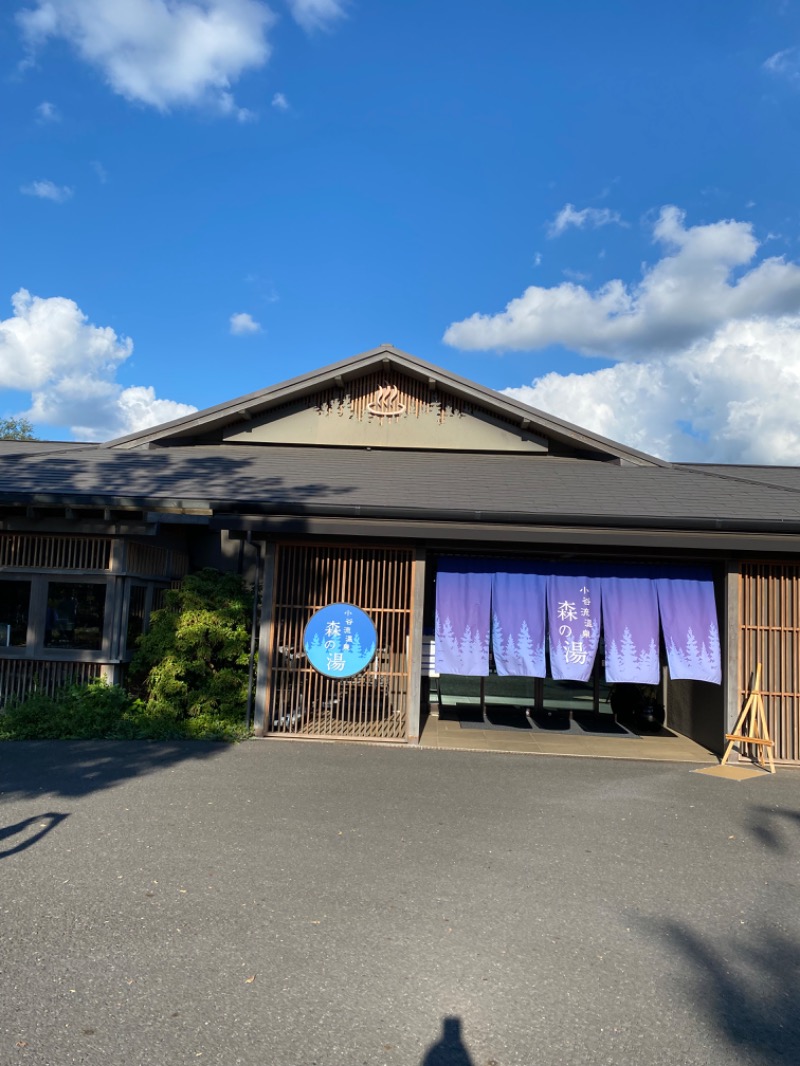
[308,480]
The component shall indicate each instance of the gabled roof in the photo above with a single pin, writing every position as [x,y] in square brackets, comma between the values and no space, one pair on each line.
[202,424]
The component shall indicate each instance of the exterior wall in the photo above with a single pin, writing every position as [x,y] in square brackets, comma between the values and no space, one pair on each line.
[49,651]
[222,551]
[697,710]
[760,600]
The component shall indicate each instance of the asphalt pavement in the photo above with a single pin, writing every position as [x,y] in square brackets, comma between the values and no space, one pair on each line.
[300,904]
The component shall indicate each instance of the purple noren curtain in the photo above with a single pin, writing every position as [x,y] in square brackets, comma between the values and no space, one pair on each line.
[476,597]
[689,620]
[463,607]
[518,622]
[573,607]
[630,629]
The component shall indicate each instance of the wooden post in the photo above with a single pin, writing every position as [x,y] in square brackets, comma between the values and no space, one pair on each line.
[116,627]
[415,647]
[731,646]
[264,674]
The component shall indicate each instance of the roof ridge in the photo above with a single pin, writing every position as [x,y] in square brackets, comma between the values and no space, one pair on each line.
[697,468]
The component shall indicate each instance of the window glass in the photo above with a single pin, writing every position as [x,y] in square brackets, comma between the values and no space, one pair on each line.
[15,599]
[75,615]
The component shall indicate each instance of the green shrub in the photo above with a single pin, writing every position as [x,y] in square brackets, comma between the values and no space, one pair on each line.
[193,662]
[99,711]
[188,679]
[77,712]
[36,718]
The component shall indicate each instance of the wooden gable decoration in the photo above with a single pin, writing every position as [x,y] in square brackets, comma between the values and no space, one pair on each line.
[384,398]
[385,408]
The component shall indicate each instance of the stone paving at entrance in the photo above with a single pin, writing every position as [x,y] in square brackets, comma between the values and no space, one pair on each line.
[438,733]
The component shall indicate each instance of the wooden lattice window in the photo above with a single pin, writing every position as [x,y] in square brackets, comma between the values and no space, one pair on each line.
[43,552]
[769,633]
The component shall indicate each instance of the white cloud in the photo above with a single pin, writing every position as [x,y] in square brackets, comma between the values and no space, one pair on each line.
[575,275]
[279,102]
[163,53]
[226,105]
[100,171]
[730,398]
[47,190]
[47,112]
[690,293]
[242,323]
[316,14]
[706,348]
[786,64]
[49,349]
[587,217]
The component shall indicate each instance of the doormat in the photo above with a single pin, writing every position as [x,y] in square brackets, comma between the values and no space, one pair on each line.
[733,773]
[583,723]
[470,717]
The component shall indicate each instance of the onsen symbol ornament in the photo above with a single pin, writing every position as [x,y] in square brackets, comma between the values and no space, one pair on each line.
[386,403]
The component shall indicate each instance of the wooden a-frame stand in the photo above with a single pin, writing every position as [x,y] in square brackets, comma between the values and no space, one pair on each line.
[751,729]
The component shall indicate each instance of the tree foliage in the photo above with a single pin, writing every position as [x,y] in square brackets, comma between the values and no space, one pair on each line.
[16,429]
[193,661]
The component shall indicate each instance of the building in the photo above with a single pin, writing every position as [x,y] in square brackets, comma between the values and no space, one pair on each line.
[357,483]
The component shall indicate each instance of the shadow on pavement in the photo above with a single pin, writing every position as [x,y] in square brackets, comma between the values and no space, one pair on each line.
[449,1050]
[29,769]
[770,825]
[45,823]
[750,989]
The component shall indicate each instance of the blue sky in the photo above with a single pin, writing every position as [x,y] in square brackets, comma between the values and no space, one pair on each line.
[592,205]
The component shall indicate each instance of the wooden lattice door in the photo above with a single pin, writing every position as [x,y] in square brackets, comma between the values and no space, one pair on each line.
[371,705]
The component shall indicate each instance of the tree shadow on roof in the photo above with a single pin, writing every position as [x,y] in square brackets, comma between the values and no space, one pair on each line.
[178,475]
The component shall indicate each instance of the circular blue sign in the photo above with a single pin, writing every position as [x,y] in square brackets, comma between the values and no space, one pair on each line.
[340,640]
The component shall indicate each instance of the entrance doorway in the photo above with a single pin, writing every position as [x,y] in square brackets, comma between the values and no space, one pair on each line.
[372,704]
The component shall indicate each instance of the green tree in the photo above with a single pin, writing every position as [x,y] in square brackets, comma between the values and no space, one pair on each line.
[193,661]
[16,429]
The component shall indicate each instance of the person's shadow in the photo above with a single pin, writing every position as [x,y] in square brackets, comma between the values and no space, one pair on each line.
[450,1050]
[45,823]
